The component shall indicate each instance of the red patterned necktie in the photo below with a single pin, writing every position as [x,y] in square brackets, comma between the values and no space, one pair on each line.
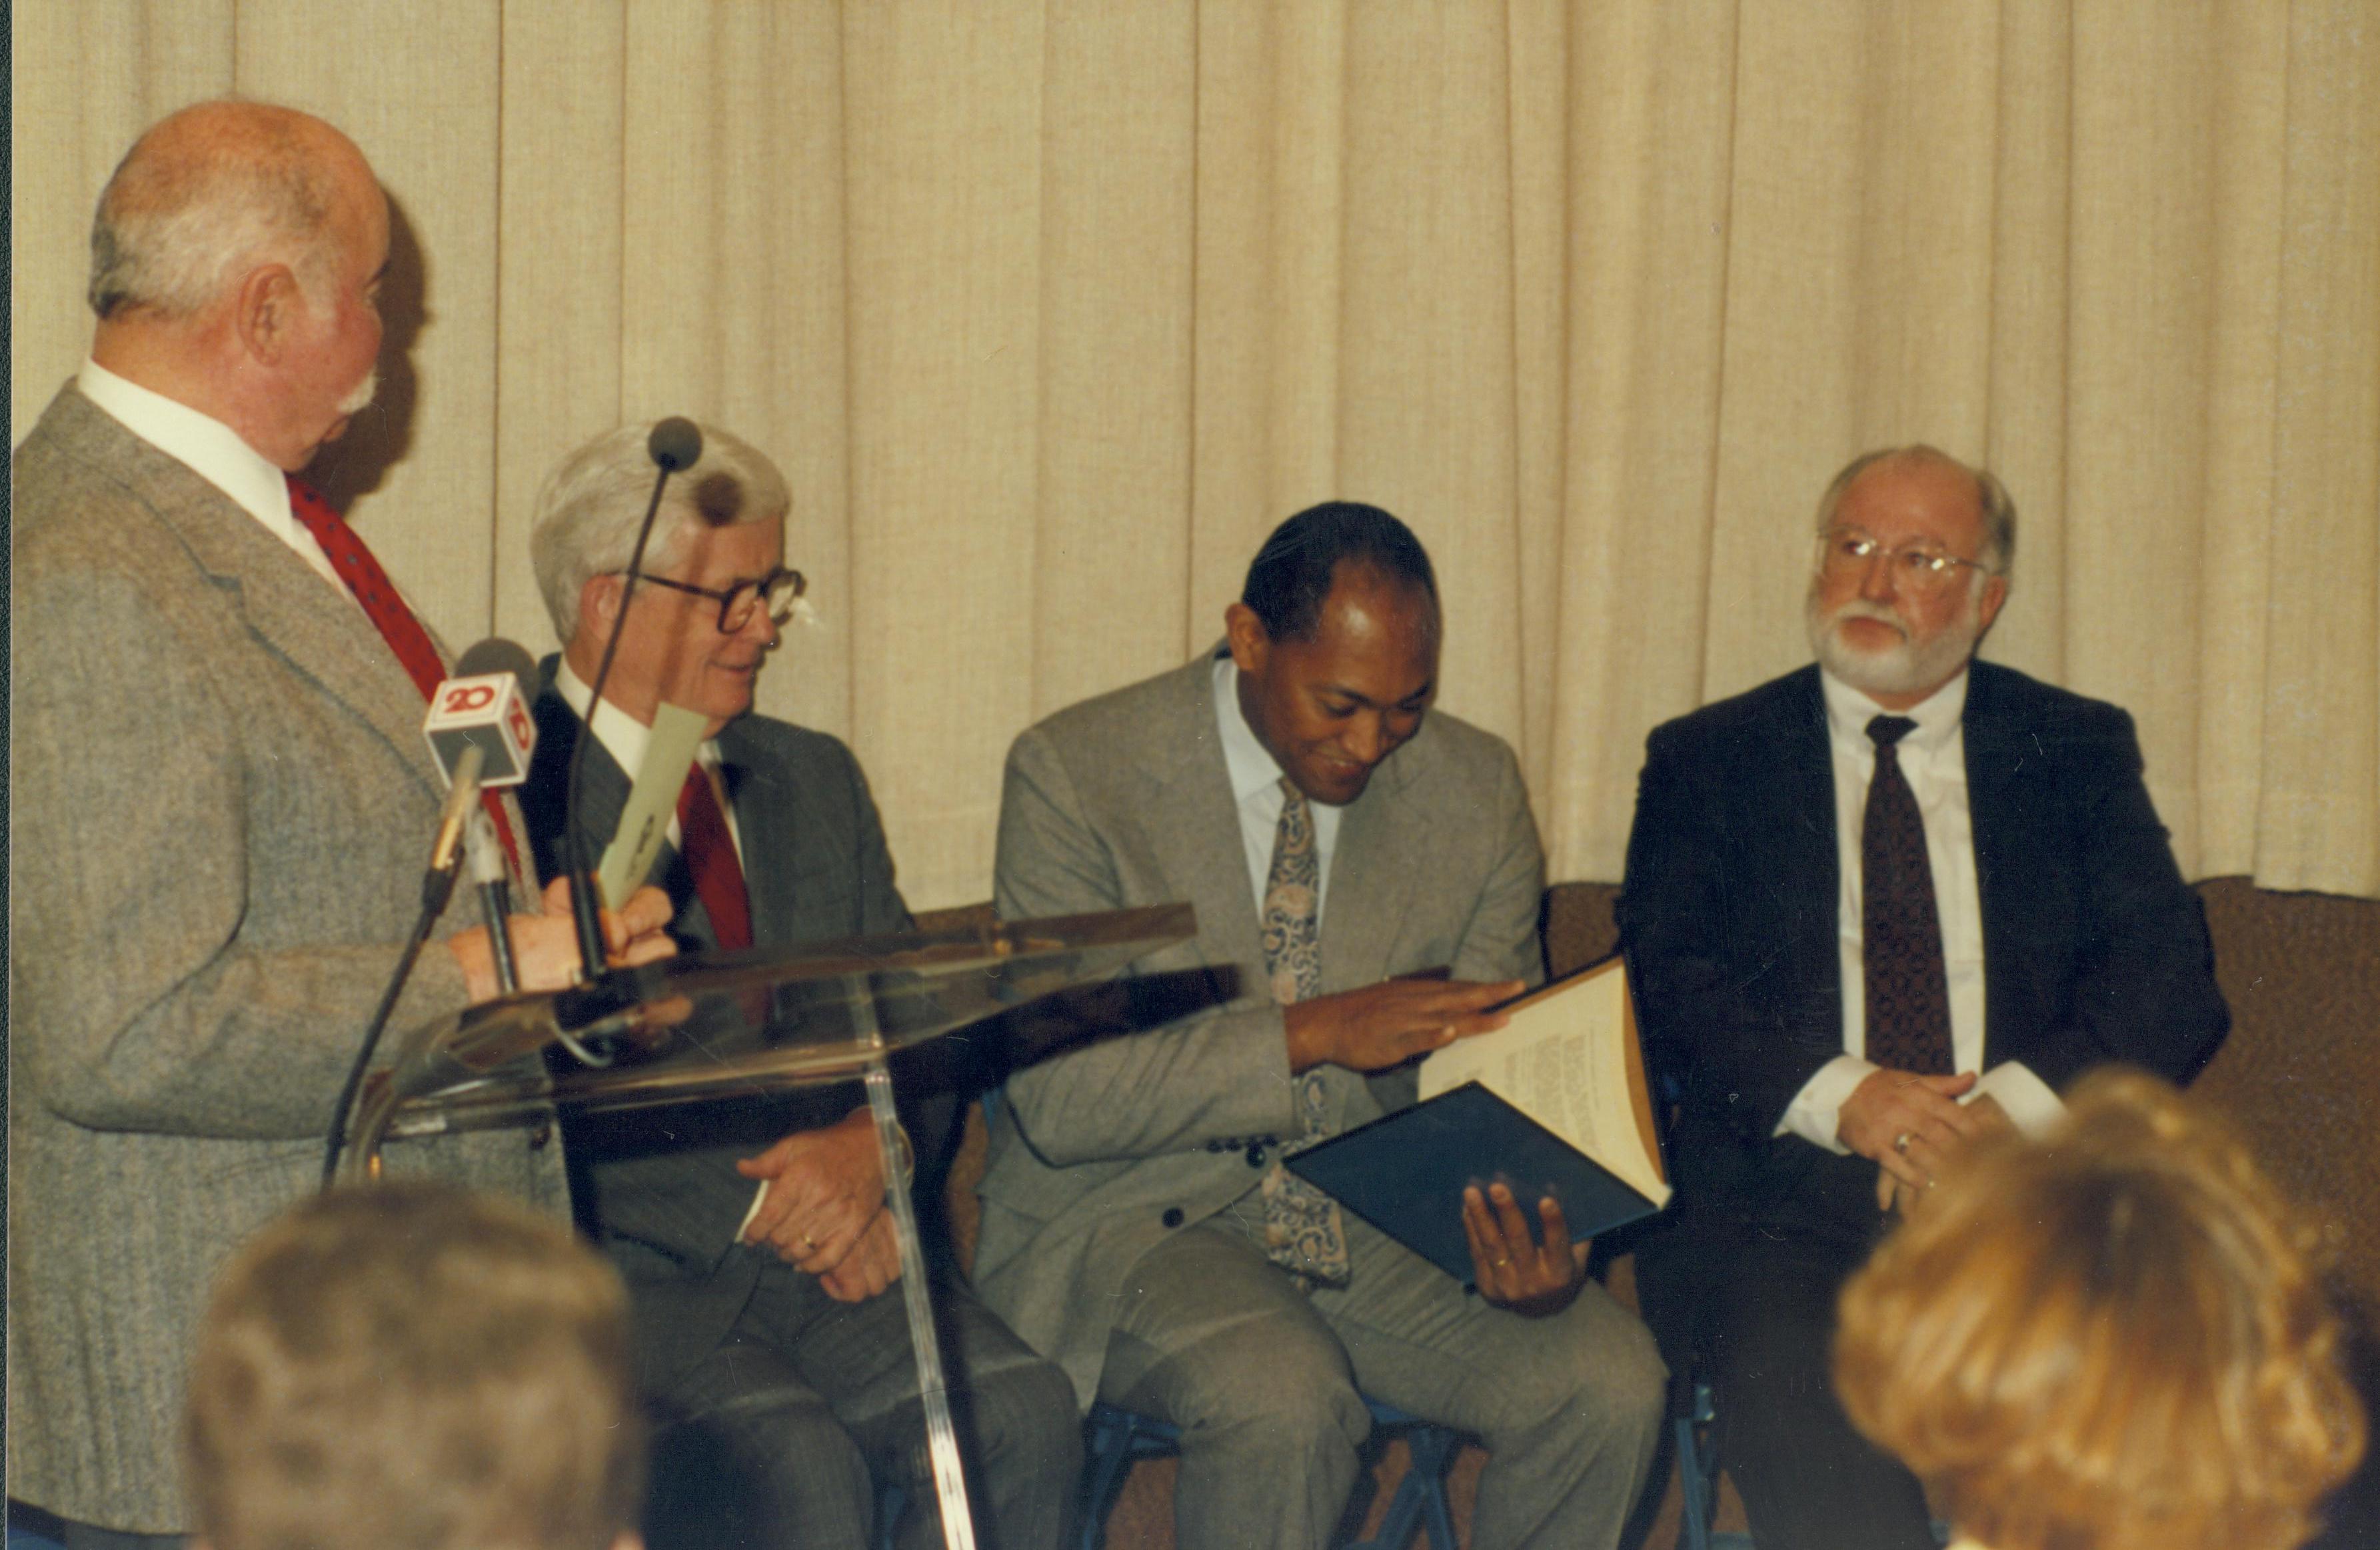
[710,852]
[1908,996]
[387,609]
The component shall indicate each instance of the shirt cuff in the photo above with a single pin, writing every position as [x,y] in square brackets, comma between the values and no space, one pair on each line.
[1817,1110]
[749,1212]
[2027,1100]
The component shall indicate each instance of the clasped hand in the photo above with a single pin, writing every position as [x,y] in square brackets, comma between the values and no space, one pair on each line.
[823,1211]
[1913,1127]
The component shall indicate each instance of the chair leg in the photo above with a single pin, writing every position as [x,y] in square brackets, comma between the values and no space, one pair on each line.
[1108,1454]
[1693,1469]
[1420,1500]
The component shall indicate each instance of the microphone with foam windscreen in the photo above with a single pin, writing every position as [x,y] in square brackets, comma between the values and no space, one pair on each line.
[674,443]
[486,704]
[482,712]
[481,734]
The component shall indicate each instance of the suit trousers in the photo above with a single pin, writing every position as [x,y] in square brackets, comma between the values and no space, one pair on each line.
[779,1437]
[1758,1304]
[1264,1380]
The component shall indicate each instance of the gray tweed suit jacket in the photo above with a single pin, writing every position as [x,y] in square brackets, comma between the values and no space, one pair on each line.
[1125,800]
[221,804]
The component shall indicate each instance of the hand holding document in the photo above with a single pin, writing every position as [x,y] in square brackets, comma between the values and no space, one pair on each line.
[1552,1105]
[644,823]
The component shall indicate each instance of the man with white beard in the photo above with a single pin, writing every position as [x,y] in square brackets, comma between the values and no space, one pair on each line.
[1874,910]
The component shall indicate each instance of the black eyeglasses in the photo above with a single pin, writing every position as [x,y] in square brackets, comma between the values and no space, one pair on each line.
[781,587]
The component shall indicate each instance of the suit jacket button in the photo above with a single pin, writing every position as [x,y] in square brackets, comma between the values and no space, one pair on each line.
[1172,1218]
[538,1137]
[1257,1154]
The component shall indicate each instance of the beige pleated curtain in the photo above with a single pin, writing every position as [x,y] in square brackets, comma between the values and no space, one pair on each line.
[1050,311]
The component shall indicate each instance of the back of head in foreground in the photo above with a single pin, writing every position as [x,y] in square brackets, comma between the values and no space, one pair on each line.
[412,1367]
[2111,1341]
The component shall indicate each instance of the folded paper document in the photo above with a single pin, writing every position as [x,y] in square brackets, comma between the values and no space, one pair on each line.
[1554,1103]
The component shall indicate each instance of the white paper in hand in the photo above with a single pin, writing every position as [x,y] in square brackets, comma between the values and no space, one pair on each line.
[652,802]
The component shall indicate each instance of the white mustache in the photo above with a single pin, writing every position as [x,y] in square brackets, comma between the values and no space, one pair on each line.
[359,400]
[1859,608]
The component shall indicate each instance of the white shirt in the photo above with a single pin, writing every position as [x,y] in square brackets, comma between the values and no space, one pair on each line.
[213,451]
[1934,759]
[624,738]
[1256,788]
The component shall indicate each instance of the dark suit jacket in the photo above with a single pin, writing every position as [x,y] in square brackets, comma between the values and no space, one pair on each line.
[2094,948]
[659,1189]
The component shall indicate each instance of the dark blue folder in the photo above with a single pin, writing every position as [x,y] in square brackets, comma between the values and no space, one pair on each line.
[1405,1174]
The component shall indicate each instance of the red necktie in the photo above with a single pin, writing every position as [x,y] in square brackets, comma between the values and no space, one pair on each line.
[710,852]
[387,609]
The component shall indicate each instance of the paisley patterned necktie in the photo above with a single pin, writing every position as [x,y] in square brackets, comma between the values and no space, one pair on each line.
[1907,994]
[1303,1232]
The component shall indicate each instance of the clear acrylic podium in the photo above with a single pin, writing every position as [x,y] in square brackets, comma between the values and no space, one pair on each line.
[714,1027]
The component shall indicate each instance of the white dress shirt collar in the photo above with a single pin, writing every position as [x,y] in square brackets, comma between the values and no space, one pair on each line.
[1937,715]
[625,739]
[1257,791]
[208,448]
[623,736]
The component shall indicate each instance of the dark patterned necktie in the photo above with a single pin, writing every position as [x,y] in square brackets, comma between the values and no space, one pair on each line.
[1303,1232]
[710,852]
[385,607]
[1907,994]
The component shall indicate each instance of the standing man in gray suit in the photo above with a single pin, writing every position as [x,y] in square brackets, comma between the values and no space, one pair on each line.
[1137,1224]
[754,1237]
[223,801]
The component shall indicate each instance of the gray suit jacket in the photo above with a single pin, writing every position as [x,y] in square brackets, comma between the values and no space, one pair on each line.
[658,1189]
[1125,800]
[222,807]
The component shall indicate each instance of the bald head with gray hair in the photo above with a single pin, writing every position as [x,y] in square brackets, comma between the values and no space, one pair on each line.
[1991,499]
[208,193]
[591,506]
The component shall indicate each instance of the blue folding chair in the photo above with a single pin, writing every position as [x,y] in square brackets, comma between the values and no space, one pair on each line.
[1692,1415]
[1115,1438]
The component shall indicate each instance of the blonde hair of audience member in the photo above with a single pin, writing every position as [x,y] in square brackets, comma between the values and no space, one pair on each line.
[413,1365]
[2111,1341]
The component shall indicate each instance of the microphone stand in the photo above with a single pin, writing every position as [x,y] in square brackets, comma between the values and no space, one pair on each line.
[495,899]
[673,444]
[437,888]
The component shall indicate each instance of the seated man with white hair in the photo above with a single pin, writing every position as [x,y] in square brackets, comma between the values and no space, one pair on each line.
[754,1237]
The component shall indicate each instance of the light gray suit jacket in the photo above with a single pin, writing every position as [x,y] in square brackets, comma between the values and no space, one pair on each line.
[221,805]
[1125,800]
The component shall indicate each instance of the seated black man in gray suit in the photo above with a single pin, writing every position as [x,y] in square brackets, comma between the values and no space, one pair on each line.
[1852,894]
[758,1254]
[1332,834]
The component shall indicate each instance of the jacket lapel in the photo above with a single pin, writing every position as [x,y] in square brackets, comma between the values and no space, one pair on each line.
[1787,773]
[1195,825]
[769,818]
[1384,840]
[322,635]
[2006,840]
